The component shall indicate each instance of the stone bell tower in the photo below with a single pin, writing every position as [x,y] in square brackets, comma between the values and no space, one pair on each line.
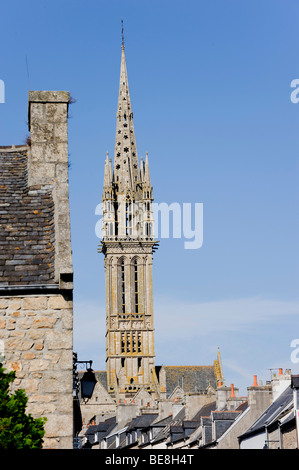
[128,244]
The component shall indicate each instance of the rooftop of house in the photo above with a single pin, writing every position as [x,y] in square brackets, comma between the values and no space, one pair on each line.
[190,378]
[26,224]
[272,413]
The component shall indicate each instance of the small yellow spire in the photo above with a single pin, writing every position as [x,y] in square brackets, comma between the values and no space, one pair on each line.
[218,367]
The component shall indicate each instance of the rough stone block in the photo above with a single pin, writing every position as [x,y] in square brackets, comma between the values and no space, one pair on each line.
[58,302]
[44,322]
[58,340]
[35,303]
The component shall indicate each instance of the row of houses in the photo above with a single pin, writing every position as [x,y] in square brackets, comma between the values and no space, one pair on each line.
[264,419]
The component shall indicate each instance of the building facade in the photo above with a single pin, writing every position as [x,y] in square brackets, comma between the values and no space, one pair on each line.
[36,273]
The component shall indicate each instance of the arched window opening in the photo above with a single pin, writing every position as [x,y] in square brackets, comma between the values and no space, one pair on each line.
[134,343]
[122,286]
[139,349]
[129,217]
[123,343]
[136,286]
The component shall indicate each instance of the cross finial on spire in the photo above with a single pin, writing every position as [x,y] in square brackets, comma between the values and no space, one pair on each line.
[122,35]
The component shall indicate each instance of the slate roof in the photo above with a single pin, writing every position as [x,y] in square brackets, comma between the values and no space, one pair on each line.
[225,415]
[176,420]
[190,378]
[205,410]
[91,430]
[141,421]
[162,422]
[105,427]
[101,376]
[272,413]
[243,406]
[26,224]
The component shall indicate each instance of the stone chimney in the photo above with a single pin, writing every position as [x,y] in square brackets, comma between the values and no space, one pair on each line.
[125,413]
[259,396]
[222,395]
[234,400]
[280,382]
[48,167]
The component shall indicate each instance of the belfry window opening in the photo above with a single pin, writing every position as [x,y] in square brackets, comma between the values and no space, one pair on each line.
[123,297]
[136,294]
[128,217]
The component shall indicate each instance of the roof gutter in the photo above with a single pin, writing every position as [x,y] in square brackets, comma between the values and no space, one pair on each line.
[32,289]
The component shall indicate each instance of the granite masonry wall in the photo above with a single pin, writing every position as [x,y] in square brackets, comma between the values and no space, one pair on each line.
[38,339]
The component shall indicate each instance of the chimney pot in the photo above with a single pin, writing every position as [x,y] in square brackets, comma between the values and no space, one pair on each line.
[280,371]
[254,381]
[232,391]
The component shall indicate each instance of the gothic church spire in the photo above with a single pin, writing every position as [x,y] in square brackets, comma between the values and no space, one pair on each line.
[126,168]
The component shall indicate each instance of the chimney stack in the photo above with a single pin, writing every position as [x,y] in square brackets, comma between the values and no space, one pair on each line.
[48,169]
[280,382]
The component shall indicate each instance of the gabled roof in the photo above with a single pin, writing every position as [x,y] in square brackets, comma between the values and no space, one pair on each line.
[243,406]
[100,375]
[141,421]
[271,414]
[176,420]
[160,423]
[91,430]
[190,378]
[27,232]
[205,410]
[225,415]
[107,425]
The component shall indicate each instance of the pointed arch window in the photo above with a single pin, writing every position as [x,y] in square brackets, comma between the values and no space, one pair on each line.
[129,216]
[148,229]
[139,343]
[122,286]
[136,285]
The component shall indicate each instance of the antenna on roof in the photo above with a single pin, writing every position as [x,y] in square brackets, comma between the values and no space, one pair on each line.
[122,35]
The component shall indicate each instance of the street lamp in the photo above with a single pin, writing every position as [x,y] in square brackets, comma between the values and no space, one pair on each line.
[88,383]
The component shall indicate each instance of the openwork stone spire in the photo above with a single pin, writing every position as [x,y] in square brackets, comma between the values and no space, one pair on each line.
[126,168]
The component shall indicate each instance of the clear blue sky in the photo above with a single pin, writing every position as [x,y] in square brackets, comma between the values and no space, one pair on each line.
[210,91]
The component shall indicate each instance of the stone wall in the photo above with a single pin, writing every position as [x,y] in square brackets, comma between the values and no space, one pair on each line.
[289,438]
[36,332]
[36,273]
